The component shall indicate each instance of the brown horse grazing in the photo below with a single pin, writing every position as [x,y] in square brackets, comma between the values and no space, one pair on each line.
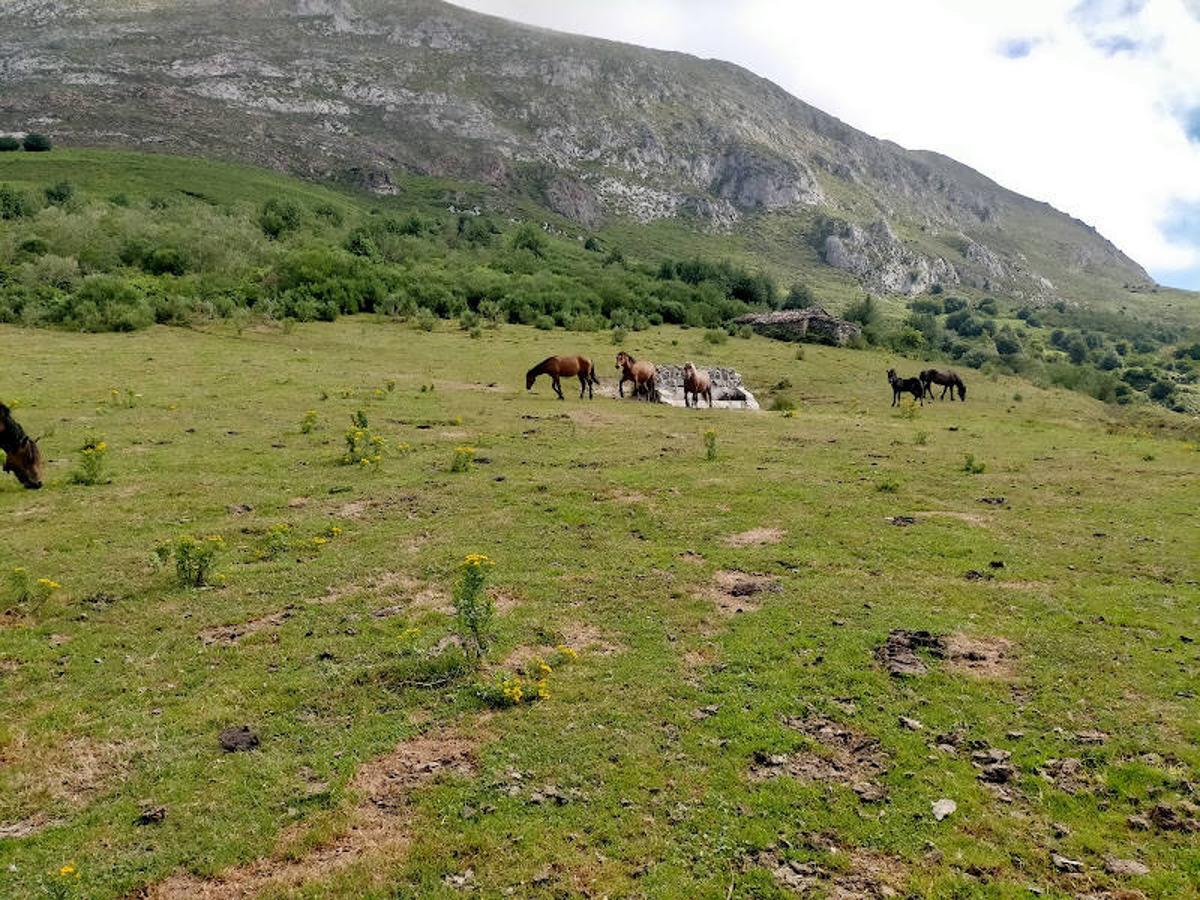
[564,367]
[643,375]
[913,386]
[697,383]
[948,379]
[21,454]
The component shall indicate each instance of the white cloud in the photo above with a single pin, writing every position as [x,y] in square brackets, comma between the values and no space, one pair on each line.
[1083,104]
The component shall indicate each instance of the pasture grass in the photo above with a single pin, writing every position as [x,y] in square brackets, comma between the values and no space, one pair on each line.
[604,518]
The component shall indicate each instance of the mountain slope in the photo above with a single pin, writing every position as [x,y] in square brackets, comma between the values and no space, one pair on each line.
[594,130]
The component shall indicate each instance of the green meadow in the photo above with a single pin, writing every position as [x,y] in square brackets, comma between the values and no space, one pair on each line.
[729,727]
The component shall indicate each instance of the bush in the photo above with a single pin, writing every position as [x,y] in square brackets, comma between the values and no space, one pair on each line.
[8,144]
[972,466]
[60,193]
[14,204]
[715,336]
[798,297]
[528,237]
[278,216]
[107,303]
[195,559]
[92,456]
[782,403]
[35,142]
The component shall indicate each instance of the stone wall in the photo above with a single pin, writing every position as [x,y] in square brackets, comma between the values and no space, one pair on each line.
[727,388]
[811,324]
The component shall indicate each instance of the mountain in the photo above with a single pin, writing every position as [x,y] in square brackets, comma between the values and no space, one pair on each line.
[598,132]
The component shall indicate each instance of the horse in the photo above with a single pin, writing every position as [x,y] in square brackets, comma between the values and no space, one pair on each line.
[948,379]
[21,454]
[696,383]
[642,374]
[564,367]
[913,386]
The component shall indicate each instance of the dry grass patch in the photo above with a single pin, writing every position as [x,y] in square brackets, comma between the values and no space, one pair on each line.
[970,518]
[228,635]
[379,825]
[69,775]
[755,537]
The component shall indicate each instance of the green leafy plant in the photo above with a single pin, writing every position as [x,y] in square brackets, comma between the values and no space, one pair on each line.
[887,485]
[463,458]
[309,422]
[363,447]
[908,409]
[27,591]
[93,456]
[972,466]
[279,539]
[474,610]
[195,559]
[921,439]
[710,444]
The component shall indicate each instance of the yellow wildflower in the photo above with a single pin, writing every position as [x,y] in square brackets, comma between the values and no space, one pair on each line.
[48,584]
[69,868]
[567,651]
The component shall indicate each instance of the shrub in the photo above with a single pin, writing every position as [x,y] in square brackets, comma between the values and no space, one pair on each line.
[887,485]
[166,261]
[24,591]
[972,466]
[60,193]
[425,319]
[710,445]
[278,216]
[309,422]
[619,334]
[782,403]
[474,610]
[544,323]
[363,447]
[908,409]
[195,559]
[8,144]
[528,237]
[92,457]
[14,204]
[798,297]
[35,142]
[715,336]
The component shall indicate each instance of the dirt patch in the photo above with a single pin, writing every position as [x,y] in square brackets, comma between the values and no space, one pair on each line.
[1067,774]
[843,756]
[898,654]
[691,556]
[228,635]
[586,640]
[25,827]
[980,657]
[970,518]
[739,592]
[378,826]
[378,506]
[755,537]
[402,592]
[863,874]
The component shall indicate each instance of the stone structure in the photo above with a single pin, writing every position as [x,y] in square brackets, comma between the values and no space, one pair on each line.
[811,324]
[728,391]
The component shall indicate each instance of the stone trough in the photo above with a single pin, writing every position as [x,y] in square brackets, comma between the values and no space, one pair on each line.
[728,391]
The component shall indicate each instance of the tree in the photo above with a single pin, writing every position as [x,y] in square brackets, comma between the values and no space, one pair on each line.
[9,144]
[1077,350]
[798,297]
[36,143]
[528,237]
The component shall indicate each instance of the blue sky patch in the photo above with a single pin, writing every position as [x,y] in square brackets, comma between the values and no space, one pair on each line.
[1018,48]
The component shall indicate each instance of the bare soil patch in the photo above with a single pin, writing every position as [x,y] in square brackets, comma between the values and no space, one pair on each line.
[402,592]
[739,592]
[844,756]
[1067,774]
[25,827]
[366,507]
[865,874]
[227,635]
[587,640]
[898,654]
[378,826]
[980,657]
[970,518]
[755,537]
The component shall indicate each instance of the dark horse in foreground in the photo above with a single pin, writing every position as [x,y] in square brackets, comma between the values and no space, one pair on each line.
[913,386]
[948,379]
[564,367]
[21,454]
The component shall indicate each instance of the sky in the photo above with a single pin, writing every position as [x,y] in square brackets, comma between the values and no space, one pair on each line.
[1090,105]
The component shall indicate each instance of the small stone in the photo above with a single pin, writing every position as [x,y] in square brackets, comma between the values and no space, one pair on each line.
[998,773]
[1138,823]
[1091,737]
[869,792]
[1060,830]
[705,712]
[943,808]
[911,724]
[1125,867]
[1063,864]
[1015,735]
[237,739]
[150,815]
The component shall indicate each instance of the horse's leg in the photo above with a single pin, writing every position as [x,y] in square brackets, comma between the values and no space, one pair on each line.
[582,384]
[943,397]
[558,387]
[708,396]
[895,396]
[621,386]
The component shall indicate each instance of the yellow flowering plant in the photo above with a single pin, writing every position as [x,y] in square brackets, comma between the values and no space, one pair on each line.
[26,590]
[196,559]
[93,456]
[463,457]
[309,422]
[473,608]
[364,448]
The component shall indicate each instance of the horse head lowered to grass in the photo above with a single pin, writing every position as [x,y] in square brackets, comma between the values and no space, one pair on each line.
[21,454]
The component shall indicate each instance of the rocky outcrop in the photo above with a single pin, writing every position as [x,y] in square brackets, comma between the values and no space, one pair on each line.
[878,258]
[574,200]
[728,390]
[812,324]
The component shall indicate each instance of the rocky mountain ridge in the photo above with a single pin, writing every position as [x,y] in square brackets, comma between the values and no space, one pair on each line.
[362,89]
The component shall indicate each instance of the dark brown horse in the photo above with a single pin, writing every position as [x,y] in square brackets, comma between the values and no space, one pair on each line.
[643,375]
[913,386]
[564,367]
[21,454]
[948,379]
[697,383]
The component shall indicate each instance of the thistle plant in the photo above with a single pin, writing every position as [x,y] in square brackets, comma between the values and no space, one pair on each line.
[473,608]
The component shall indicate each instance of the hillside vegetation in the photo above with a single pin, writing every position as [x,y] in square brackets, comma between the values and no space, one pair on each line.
[729,727]
[95,241]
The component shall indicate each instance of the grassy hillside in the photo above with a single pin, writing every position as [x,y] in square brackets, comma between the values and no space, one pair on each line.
[727,729]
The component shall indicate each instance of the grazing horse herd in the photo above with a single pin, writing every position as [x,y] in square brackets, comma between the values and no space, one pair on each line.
[23,458]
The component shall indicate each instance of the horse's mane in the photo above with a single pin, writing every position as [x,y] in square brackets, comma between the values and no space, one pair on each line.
[12,435]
